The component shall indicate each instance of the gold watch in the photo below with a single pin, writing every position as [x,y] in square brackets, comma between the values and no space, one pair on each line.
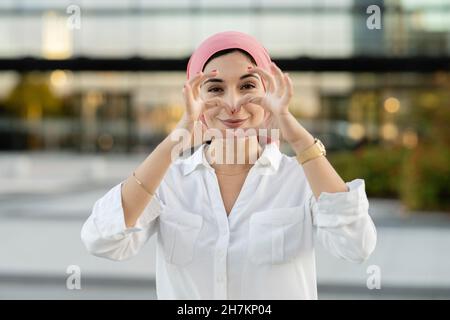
[312,152]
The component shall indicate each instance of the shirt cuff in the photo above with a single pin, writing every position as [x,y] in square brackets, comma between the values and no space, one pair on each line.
[340,208]
[109,214]
[151,212]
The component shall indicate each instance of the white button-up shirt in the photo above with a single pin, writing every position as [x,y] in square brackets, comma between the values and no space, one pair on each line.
[263,250]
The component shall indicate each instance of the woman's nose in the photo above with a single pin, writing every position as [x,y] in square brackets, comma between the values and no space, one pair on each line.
[232,104]
[240,101]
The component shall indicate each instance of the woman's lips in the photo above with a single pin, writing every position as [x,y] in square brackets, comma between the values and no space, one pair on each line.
[235,123]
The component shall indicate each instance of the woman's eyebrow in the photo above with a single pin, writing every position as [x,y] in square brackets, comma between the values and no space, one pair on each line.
[249,75]
[241,78]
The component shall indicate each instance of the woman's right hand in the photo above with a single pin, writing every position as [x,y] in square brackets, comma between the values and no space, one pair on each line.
[194,104]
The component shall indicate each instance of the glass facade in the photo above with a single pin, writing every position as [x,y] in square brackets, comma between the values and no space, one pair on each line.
[125,111]
[174,28]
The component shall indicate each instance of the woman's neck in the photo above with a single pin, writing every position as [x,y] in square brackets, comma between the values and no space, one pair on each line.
[234,154]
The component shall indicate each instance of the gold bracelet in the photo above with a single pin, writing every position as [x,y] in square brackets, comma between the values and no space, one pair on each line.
[317,149]
[141,184]
[302,162]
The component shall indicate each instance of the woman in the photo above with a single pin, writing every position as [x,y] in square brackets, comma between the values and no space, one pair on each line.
[235,229]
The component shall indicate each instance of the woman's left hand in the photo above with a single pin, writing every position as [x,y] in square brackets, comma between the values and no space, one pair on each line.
[279,90]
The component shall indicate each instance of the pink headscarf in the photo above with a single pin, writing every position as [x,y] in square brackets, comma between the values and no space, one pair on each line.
[228,40]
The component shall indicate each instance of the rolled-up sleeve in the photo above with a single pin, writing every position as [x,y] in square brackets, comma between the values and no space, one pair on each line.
[342,223]
[105,233]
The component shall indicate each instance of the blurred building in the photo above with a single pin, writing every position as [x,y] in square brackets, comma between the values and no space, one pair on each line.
[124,111]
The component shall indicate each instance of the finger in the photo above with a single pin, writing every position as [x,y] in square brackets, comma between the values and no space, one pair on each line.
[266,76]
[198,80]
[198,84]
[289,89]
[198,133]
[207,105]
[204,130]
[279,77]
[243,101]
[215,103]
[262,132]
[258,101]
[195,78]
[269,123]
[188,97]
[188,86]
[246,99]
[267,116]
[226,105]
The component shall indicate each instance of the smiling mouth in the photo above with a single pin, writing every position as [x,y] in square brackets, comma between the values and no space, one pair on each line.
[233,123]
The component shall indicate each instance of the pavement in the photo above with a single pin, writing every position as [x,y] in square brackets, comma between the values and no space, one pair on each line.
[45,198]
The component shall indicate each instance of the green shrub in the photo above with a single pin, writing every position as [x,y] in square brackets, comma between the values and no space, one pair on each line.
[419,177]
[426,179]
[379,167]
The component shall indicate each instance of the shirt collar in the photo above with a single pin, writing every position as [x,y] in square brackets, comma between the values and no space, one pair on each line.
[270,157]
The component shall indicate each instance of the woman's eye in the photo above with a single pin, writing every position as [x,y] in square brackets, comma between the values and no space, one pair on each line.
[214,89]
[248,86]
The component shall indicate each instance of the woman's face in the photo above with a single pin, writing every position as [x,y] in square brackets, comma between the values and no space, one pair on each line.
[230,85]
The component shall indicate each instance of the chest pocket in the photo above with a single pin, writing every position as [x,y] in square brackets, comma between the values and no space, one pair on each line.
[178,233]
[275,236]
